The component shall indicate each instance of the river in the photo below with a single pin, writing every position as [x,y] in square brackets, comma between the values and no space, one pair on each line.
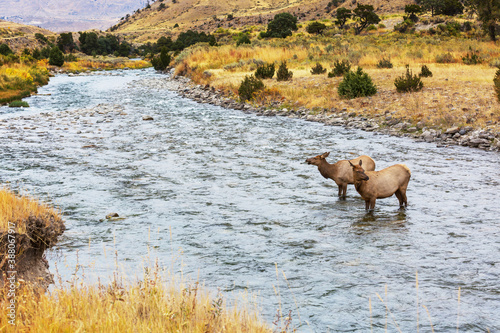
[226,198]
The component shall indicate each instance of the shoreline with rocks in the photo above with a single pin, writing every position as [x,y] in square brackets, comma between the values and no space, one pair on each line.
[387,124]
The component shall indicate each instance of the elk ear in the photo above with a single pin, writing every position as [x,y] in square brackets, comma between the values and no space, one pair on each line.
[360,162]
[351,164]
[325,155]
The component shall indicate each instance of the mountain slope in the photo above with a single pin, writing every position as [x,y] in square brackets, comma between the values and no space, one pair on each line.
[68,15]
[207,15]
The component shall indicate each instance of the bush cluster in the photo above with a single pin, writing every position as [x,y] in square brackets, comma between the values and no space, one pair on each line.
[318,69]
[408,82]
[472,57]
[445,58]
[356,84]
[283,73]
[265,71]
[162,61]
[340,68]
[425,72]
[384,63]
[249,86]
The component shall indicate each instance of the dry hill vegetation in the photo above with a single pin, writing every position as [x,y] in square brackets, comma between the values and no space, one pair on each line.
[457,94]
[161,18]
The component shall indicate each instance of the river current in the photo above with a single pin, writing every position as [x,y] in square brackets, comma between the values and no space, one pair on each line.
[226,198]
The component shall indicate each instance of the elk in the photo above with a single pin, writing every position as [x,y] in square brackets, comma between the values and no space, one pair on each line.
[339,172]
[373,185]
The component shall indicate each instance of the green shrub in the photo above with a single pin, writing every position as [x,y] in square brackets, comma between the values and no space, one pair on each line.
[283,73]
[472,58]
[68,58]
[445,58]
[318,69]
[5,49]
[315,28]
[407,26]
[265,71]
[281,26]
[408,82]
[384,63]
[249,86]
[356,84]
[340,68]
[496,82]
[162,61]
[425,72]
[56,57]
[18,104]
[243,39]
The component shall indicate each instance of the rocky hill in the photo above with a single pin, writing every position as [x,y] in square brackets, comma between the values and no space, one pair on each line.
[18,36]
[206,15]
[68,15]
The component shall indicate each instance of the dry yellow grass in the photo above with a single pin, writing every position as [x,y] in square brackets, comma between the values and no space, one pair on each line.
[18,209]
[150,305]
[456,95]
[107,63]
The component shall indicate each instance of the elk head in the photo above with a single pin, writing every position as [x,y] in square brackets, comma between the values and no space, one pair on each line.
[316,160]
[358,171]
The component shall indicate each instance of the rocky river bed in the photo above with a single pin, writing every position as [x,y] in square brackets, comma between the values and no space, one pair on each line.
[387,123]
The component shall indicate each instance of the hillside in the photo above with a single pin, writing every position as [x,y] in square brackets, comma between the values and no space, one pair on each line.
[18,36]
[68,15]
[205,15]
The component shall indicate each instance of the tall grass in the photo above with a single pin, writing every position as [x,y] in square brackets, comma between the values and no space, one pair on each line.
[104,64]
[19,209]
[156,303]
[18,80]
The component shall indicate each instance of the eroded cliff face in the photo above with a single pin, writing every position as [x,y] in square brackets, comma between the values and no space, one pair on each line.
[30,268]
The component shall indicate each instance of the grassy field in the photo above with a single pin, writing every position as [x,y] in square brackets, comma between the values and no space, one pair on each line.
[456,95]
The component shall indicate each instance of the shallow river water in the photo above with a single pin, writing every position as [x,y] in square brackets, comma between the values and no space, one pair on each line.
[226,198]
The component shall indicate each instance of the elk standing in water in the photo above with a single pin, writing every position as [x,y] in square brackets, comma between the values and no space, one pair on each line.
[373,185]
[340,172]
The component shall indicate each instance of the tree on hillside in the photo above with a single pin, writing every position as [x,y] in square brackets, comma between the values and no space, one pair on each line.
[364,15]
[56,57]
[5,49]
[315,28]
[343,14]
[412,11]
[164,42]
[65,42]
[444,7]
[488,12]
[281,26]
[88,42]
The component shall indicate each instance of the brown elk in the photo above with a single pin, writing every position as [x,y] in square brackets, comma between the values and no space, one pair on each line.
[340,172]
[373,185]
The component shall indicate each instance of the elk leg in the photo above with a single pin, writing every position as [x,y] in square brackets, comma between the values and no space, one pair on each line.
[405,200]
[340,190]
[367,204]
[402,198]
[399,195]
[372,203]
[344,190]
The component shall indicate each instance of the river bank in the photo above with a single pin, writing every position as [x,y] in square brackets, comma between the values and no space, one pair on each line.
[384,123]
